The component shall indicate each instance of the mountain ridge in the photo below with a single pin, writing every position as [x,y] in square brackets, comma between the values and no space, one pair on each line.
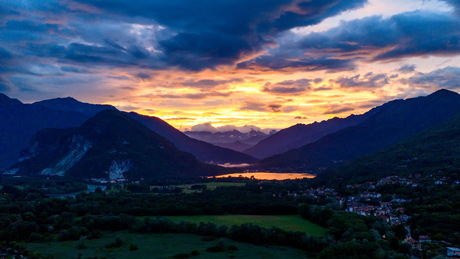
[71,104]
[392,122]
[21,121]
[301,134]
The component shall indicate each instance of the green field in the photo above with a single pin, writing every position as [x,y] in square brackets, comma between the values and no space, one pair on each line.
[160,246]
[286,222]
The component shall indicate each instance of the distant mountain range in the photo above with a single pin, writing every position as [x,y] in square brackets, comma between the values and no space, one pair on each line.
[234,139]
[427,152]
[203,151]
[110,145]
[389,123]
[301,134]
[19,123]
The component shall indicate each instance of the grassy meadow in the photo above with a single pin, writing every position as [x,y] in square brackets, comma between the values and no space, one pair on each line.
[161,246]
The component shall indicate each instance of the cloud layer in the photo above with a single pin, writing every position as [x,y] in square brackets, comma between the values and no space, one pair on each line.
[272,62]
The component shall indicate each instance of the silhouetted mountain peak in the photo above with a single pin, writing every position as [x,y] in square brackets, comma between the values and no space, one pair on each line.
[444,93]
[113,121]
[4,99]
[71,104]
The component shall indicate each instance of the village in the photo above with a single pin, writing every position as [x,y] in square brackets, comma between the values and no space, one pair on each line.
[365,200]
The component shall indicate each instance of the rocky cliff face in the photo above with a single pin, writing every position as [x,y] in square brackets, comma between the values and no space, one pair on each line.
[110,145]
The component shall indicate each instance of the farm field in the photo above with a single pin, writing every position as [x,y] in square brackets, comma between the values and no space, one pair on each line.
[286,222]
[161,246]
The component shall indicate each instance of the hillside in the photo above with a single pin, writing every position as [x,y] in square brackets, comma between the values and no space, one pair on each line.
[427,152]
[109,145]
[300,134]
[391,123]
[19,122]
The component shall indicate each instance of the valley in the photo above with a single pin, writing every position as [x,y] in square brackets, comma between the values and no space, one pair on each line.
[383,200]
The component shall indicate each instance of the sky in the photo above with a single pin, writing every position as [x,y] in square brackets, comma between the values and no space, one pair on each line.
[267,63]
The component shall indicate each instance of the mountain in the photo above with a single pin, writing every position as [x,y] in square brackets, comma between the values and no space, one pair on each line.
[109,145]
[19,122]
[426,152]
[70,104]
[391,123]
[203,151]
[234,139]
[301,134]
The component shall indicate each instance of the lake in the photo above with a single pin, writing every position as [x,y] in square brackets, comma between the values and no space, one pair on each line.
[269,176]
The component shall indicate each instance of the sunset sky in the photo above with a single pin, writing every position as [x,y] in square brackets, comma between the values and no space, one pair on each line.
[269,63]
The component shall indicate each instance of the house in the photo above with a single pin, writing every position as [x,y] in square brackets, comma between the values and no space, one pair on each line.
[453,251]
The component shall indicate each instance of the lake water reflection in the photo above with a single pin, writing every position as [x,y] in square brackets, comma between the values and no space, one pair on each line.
[270,176]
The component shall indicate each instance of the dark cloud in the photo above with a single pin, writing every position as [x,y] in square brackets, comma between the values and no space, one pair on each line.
[300,117]
[280,62]
[372,38]
[339,110]
[448,78]
[211,33]
[275,107]
[288,87]
[405,69]
[157,34]
[143,76]
[253,106]
[84,53]
[424,34]
[369,80]
[322,88]
[318,80]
